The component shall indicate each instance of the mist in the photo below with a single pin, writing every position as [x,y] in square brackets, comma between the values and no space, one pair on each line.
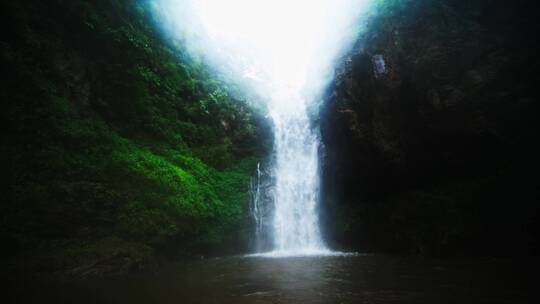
[267,47]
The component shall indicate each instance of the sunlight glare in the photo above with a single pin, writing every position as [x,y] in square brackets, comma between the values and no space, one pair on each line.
[277,44]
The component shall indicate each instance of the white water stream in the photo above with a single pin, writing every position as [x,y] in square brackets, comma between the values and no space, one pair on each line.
[296,224]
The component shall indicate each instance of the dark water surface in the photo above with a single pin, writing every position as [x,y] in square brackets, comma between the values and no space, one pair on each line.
[356,279]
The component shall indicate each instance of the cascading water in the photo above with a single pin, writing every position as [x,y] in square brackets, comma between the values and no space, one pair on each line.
[295,224]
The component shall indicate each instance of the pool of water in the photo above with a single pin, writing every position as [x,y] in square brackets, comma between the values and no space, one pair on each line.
[322,279]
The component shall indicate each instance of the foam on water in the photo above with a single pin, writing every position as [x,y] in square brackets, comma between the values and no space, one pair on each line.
[302,253]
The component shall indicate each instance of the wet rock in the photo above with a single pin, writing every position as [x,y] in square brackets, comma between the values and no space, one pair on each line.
[429,138]
[378,65]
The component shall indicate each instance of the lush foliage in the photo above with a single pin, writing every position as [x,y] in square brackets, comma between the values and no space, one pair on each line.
[113,136]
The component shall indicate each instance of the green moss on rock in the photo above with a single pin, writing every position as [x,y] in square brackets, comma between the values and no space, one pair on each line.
[116,144]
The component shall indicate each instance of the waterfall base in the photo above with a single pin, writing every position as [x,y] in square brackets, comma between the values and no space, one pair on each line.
[302,253]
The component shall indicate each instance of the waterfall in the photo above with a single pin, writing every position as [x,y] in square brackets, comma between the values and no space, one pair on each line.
[295,223]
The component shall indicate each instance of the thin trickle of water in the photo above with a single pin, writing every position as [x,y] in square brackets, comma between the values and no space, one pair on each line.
[256,207]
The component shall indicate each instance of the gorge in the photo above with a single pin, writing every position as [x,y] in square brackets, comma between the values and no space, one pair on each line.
[349,151]
[288,65]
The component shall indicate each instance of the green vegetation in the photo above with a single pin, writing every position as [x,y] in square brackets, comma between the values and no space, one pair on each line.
[116,144]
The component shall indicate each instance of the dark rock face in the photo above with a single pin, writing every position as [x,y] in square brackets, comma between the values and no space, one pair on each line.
[431,132]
